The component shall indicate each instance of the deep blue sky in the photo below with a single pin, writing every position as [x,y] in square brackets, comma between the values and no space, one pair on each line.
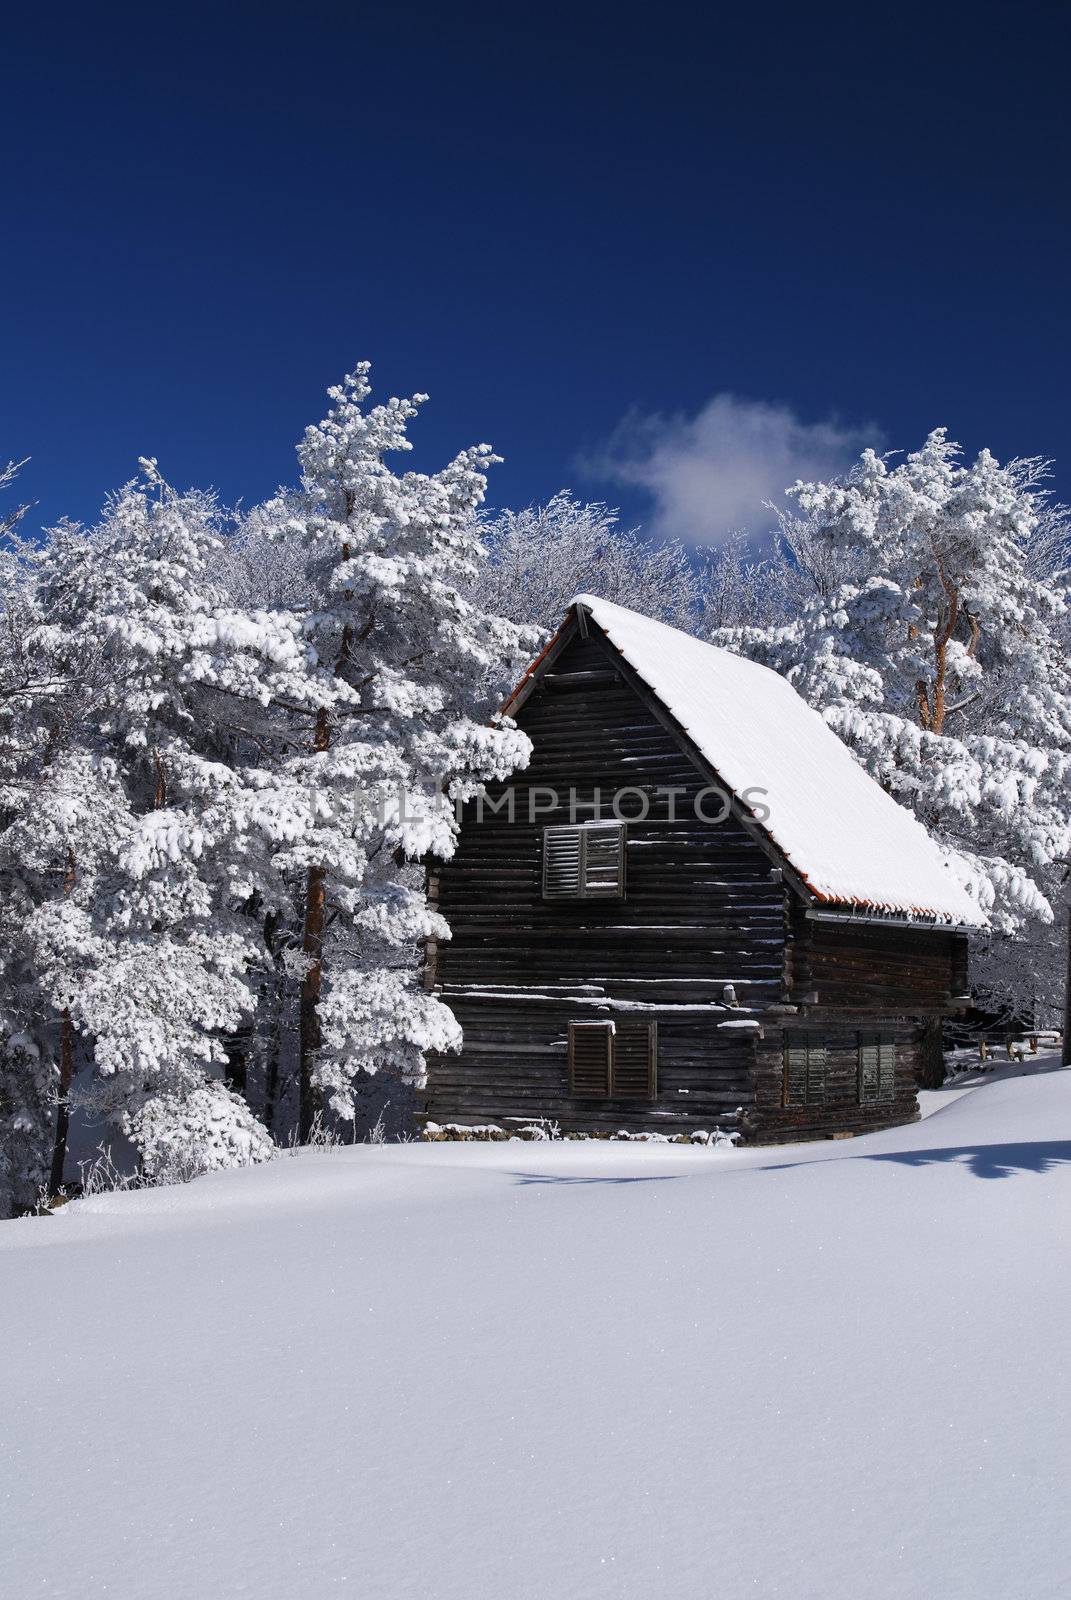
[545,216]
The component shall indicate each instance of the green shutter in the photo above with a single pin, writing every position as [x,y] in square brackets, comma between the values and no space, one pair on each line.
[816,1071]
[805,1069]
[887,1068]
[795,1081]
[877,1068]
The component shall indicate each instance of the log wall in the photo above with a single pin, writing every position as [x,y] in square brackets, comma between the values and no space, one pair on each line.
[861,968]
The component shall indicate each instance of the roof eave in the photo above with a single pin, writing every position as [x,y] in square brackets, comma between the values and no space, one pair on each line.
[875,917]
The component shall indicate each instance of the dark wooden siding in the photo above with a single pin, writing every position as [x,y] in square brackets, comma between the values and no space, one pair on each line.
[867,968]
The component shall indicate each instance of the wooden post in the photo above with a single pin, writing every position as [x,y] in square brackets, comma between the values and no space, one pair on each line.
[932,1073]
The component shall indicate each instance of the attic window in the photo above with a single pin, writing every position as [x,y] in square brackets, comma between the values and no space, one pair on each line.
[804,1081]
[877,1068]
[584,862]
[613,1061]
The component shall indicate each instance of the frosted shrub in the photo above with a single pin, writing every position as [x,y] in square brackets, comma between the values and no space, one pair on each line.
[180,1137]
[102,1176]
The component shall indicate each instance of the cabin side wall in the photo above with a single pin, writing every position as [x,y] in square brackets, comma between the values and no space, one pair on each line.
[839,1111]
[846,980]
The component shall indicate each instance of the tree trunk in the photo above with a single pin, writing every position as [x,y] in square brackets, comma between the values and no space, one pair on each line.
[271,1081]
[63,1107]
[312,945]
[66,1073]
[273,996]
[932,1064]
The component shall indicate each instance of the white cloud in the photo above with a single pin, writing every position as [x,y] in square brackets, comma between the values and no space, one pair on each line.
[710,474]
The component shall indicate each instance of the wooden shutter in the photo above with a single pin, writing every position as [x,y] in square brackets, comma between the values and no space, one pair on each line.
[603,846]
[816,1071]
[586,861]
[795,1084]
[562,873]
[590,1052]
[877,1068]
[886,1068]
[805,1070]
[635,1061]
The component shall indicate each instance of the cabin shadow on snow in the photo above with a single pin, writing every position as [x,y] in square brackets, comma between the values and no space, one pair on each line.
[987,1160]
[981,1160]
[565,1177]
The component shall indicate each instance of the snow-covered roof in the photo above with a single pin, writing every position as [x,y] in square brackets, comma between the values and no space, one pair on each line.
[845,837]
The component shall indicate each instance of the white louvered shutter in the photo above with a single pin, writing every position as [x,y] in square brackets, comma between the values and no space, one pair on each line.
[562,868]
[585,862]
[604,859]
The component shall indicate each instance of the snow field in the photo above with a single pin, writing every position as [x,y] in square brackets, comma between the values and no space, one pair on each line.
[533,1371]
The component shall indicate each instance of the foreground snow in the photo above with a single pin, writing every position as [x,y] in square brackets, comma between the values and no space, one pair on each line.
[515,1372]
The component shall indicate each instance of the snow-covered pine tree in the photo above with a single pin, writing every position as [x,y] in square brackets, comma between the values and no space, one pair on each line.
[407,668]
[147,819]
[935,645]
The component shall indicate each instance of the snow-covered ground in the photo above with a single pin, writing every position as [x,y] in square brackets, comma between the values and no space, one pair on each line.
[517,1372]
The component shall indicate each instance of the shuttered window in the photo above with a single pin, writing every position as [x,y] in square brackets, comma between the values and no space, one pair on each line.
[584,862]
[804,1082]
[613,1061]
[877,1068]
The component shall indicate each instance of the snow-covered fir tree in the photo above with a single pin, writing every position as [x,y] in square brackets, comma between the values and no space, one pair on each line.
[934,643]
[394,724]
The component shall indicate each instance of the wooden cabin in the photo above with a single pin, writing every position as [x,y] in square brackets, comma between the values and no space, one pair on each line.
[693,910]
